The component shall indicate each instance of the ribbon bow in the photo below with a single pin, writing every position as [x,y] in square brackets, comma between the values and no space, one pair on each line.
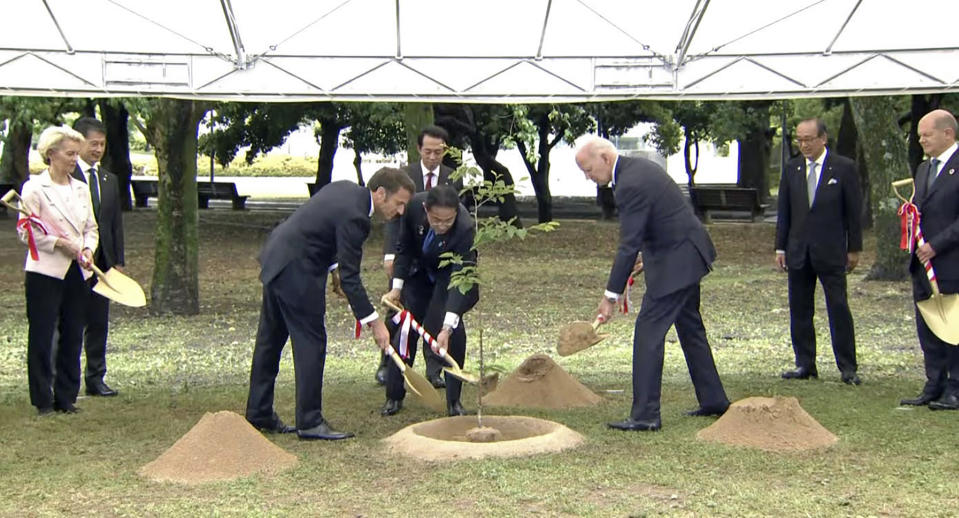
[909,224]
[26,223]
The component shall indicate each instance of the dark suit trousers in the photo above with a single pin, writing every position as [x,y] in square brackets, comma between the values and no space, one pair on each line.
[305,326]
[655,318]
[95,337]
[49,301]
[427,302]
[940,359]
[802,290]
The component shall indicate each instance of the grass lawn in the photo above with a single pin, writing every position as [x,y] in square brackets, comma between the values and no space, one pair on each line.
[171,370]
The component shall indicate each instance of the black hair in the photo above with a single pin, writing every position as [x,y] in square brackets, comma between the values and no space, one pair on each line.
[435,132]
[442,196]
[87,125]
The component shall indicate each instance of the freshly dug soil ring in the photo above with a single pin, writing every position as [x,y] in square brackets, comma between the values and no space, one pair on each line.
[483,434]
[446,439]
[540,383]
[221,446]
[770,424]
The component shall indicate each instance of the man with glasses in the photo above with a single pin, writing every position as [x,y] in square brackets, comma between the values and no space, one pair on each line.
[426,174]
[819,235]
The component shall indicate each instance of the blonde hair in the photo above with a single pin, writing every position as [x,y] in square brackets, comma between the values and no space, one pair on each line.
[51,138]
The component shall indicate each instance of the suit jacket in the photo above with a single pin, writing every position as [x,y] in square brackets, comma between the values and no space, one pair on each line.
[411,257]
[829,229]
[656,219]
[109,220]
[415,171]
[70,217]
[939,220]
[329,228]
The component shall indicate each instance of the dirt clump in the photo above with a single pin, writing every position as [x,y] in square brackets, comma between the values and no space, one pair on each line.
[221,446]
[540,383]
[483,434]
[769,423]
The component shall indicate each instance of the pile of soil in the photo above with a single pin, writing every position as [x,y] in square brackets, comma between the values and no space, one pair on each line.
[222,446]
[449,438]
[540,383]
[770,424]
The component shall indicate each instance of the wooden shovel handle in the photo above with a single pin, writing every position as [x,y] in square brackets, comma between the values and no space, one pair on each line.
[389,303]
[596,323]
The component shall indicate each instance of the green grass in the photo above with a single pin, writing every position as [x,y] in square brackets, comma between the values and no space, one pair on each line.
[171,370]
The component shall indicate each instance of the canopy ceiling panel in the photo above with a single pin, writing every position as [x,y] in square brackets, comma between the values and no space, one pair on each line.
[477,50]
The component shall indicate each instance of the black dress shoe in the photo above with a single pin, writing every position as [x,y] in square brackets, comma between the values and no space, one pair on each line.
[436,380]
[631,425]
[99,388]
[949,402]
[66,409]
[455,409]
[851,378]
[322,432]
[801,373]
[921,400]
[391,407]
[710,411]
[276,426]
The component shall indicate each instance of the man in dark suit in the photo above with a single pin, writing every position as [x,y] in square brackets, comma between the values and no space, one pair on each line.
[937,197]
[819,235]
[655,219]
[434,224]
[326,231]
[105,197]
[426,174]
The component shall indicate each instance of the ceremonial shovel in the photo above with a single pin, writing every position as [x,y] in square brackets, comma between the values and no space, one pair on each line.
[454,368]
[940,311]
[113,284]
[578,336]
[418,384]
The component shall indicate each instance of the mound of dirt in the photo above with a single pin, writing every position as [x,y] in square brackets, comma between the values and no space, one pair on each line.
[540,383]
[222,446]
[771,424]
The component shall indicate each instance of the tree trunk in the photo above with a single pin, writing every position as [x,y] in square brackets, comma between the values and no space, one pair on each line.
[117,156]
[358,165]
[416,116]
[754,155]
[847,145]
[539,175]
[485,155]
[690,142]
[15,160]
[173,128]
[884,148]
[329,142]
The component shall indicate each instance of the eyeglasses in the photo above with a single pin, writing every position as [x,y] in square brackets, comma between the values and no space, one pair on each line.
[805,140]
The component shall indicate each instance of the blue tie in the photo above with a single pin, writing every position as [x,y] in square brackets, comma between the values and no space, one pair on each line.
[428,241]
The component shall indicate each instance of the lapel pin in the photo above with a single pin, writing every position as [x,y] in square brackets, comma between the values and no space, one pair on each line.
[952,171]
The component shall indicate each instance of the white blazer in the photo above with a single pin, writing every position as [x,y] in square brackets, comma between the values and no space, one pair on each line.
[68,217]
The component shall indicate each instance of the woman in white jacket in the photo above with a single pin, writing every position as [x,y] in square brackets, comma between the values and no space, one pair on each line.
[61,235]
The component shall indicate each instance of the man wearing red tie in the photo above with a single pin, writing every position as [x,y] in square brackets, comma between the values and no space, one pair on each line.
[426,174]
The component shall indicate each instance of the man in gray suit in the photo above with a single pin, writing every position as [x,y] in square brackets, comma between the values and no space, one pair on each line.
[325,232]
[656,219]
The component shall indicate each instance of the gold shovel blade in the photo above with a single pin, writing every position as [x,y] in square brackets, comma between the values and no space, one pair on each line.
[941,314]
[577,336]
[117,287]
[461,375]
[418,384]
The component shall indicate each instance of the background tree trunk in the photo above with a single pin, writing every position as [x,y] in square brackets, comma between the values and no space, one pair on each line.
[329,142]
[15,160]
[416,116]
[884,147]
[847,145]
[117,156]
[485,155]
[358,165]
[754,152]
[173,132]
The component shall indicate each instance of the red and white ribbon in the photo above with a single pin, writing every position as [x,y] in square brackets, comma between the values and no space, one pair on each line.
[26,223]
[405,320]
[627,301]
[913,233]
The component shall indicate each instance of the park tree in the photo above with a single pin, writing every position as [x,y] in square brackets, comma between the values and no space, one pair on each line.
[484,129]
[537,129]
[25,116]
[116,158]
[171,128]
[375,128]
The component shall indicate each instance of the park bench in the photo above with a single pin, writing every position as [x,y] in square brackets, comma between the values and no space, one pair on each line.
[219,191]
[143,190]
[728,198]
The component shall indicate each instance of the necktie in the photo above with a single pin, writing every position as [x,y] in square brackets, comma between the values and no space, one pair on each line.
[811,182]
[95,192]
[429,180]
[933,169]
[428,242]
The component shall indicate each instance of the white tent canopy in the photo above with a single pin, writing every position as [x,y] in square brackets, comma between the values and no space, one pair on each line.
[477,51]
